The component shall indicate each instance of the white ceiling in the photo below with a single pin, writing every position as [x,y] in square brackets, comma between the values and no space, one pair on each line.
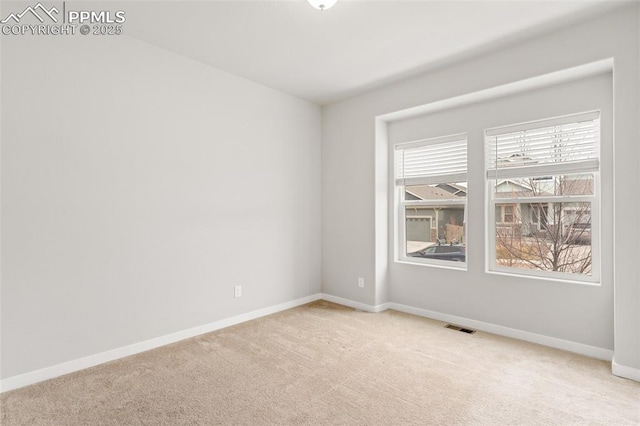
[326,56]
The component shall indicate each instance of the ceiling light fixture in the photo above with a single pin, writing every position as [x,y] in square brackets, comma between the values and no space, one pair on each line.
[322,4]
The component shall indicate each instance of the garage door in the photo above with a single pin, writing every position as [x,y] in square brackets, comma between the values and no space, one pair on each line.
[419,229]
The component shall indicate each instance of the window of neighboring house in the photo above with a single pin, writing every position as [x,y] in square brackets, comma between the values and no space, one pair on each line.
[508,213]
[431,188]
[543,194]
[539,214]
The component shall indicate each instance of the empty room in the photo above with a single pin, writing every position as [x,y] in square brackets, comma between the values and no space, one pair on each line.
[320,212]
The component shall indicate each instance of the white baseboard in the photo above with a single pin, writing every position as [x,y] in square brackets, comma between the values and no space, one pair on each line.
[356,305]
[36,376]
[579,348]
[630,373]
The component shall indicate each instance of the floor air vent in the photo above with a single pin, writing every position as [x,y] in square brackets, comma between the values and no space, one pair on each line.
[457,328]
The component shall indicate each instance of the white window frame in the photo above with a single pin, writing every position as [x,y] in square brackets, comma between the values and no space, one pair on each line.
[401,204]
[591,166]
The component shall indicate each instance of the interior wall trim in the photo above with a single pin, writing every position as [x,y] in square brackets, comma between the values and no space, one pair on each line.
[51,372]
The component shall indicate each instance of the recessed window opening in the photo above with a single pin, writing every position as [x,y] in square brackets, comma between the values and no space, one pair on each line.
[543,188]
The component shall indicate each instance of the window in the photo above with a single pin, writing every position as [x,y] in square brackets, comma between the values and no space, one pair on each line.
[507,213]
[431,188]
[542,183]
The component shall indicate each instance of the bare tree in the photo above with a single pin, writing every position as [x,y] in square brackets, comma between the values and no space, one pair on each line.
[549,236]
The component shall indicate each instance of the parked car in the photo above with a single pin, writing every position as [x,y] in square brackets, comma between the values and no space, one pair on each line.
[456,253]
[579,233]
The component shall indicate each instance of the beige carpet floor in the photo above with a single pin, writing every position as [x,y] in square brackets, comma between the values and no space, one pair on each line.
[324,364]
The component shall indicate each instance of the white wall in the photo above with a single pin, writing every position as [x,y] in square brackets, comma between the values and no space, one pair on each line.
[353,203]
[138,187]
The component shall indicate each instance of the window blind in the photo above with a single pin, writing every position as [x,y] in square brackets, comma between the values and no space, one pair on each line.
[562,145]
[431,161]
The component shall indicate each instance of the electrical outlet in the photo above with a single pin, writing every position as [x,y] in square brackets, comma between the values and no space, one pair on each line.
[361,282]
[237,291]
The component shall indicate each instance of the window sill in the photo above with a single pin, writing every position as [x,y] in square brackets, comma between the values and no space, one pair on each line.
[543,278]
[462,266]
